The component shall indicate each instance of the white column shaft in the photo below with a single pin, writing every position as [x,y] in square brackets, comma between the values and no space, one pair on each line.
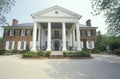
[64,36]
[39,37]
[78,36]
[49,37]
[34,37]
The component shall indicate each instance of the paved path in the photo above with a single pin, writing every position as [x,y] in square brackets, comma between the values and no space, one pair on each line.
[99,67]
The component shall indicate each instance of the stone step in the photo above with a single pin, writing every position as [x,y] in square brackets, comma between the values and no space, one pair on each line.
[56,55]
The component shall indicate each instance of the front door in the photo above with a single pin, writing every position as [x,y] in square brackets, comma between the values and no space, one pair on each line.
[56,44]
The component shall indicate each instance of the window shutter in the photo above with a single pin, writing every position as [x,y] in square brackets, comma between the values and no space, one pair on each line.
[20,32]
[87,44]
[13,42]
[26,32]
[8,32]
[31,32]
[30,46]
[24,45]
[19,44]
[86,32]
[91,32]
[6,45]
[93,44]
[14,32]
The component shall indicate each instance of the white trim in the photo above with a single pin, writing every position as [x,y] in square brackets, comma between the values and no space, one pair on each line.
[19,45]
[81,44]
[88,44]
[13,43]
[6,45]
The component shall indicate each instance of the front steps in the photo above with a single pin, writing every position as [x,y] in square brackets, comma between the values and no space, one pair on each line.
[56,55]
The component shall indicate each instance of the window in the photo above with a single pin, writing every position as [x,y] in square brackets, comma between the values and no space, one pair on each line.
[56,33]
[23,32]
[11,33]
[90,44]
[21,45]
[88,32]
[28,32]
[10,45]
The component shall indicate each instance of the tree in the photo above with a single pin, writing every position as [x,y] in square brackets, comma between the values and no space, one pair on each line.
[111,10]
[5,7]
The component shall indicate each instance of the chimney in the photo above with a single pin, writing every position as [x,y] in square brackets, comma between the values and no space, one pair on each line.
[14,22]
[88,22]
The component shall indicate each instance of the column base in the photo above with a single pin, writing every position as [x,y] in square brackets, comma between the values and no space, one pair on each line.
[79,49]
[48,49]
[64,49]
[33,50]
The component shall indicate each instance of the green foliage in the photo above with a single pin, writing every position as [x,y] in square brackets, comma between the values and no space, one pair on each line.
[77,54]
[0,42]
[2,51]
[117,51]
[111,10]
[29,54]
[5,7]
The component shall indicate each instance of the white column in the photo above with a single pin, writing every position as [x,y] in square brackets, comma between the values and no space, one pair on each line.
[49,37]
[64,36]
[78,36]
[34,37]
[39,36]
[73,35]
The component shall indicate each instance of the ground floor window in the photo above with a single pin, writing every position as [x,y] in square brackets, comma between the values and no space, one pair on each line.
[90,44]
[21,45]
[9,45]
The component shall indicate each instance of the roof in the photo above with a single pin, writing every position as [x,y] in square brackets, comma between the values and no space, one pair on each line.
[56,7]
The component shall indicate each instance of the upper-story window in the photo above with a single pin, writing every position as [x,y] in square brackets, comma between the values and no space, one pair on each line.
[23,32]
[89,33]
[56,33]
[12,32]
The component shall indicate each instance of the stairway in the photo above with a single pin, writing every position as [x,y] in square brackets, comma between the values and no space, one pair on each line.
[56,55]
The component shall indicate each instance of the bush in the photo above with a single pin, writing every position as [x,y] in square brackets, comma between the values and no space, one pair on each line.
[47,53]
[77,54]
[8,52]
[2,51]
[28,54]
[23,51]
[15,51]
[117,51]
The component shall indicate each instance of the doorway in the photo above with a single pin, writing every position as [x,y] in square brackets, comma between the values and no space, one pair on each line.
[56,45]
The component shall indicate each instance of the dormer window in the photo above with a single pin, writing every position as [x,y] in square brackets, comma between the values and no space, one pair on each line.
[56,12]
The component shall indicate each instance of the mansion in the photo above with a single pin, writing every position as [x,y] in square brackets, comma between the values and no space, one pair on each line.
[54,29]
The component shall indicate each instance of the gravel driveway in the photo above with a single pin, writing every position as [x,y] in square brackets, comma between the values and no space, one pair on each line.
[99,67]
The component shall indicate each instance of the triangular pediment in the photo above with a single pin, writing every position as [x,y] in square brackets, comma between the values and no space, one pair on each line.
[56,11]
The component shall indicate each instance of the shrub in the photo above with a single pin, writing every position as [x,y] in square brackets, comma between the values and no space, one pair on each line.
[28,54]
[77,54]
[23,51]
[15,51]
[2,51]
[8,52]
[117,51]
[40,53]
[47,53]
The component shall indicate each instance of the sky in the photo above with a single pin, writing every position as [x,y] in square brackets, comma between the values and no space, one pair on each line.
[24,8]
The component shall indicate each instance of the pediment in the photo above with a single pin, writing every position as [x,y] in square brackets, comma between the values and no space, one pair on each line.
[56,11]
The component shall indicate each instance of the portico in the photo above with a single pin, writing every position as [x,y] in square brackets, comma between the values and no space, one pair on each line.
[56,28]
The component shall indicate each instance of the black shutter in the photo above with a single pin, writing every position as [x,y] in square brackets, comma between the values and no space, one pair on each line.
[8,32]
[91,32]
[20,32]
[26,32]
[31,32]
[86,32]
[14,32]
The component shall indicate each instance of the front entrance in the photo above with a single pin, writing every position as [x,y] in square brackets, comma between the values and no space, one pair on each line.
[56,45]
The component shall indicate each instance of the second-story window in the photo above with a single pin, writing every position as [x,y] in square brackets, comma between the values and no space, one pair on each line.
[12,32]
[23,32]
[56,33]
[88,32]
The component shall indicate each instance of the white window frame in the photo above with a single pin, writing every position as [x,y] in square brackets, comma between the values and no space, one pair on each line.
[19,45]
[11,33]
[92,44]
[23,32]
[89,33]
[8,43]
